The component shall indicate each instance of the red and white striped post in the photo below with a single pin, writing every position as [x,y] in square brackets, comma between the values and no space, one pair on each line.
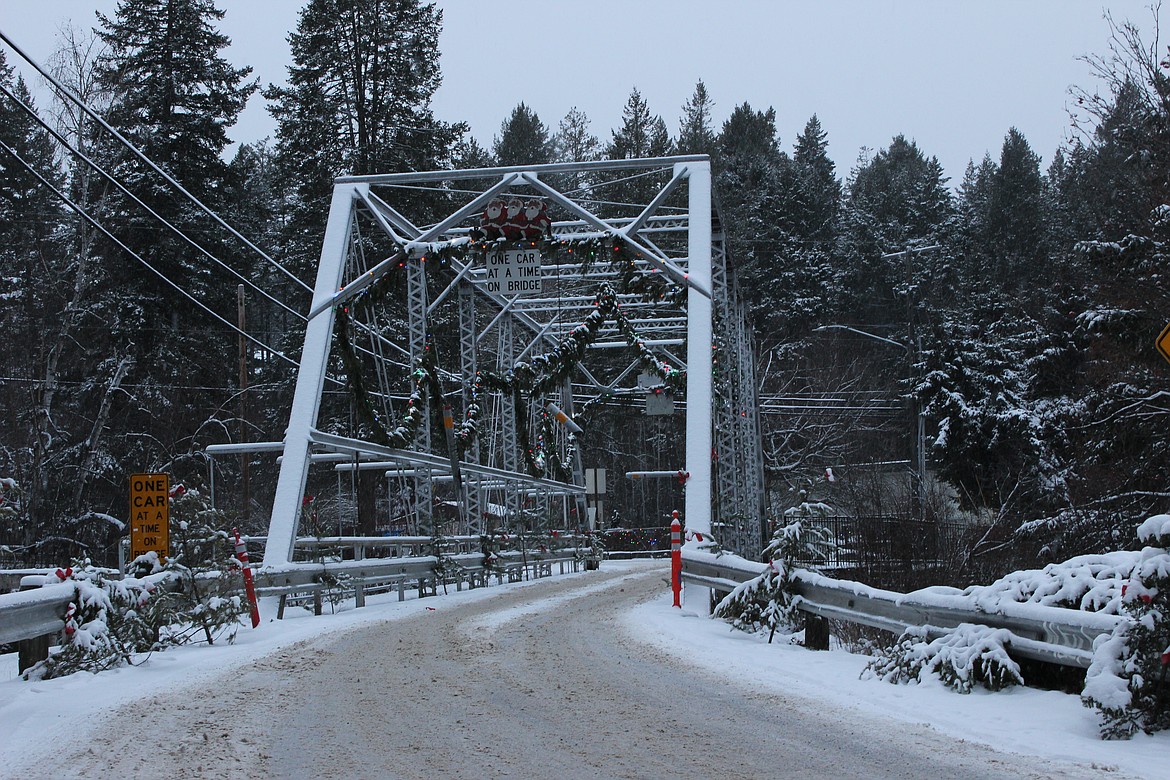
[249,585]
[676,557]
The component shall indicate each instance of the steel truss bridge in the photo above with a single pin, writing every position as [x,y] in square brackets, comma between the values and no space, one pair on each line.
[403,268]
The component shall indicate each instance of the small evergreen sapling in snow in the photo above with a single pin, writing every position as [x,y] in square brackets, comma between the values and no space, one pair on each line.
[769,600]
[446,567]
[206,569]
[490,546]
[1129,679]
[105,625]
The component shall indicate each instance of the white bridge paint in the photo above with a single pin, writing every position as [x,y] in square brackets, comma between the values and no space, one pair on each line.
[332,289]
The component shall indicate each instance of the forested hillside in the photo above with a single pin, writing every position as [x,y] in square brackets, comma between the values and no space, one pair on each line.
[1015,311]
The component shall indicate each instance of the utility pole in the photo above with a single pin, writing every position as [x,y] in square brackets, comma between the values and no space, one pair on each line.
[913,354]
[918,456]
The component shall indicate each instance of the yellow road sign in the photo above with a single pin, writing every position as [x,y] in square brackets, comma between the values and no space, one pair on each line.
[1163,342]
[150,514]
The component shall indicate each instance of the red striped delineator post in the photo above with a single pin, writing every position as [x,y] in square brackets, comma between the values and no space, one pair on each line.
[249,585]
[676,557]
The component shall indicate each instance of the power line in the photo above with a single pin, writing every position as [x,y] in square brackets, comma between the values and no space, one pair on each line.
[98,226]
[122,188]
[64,90]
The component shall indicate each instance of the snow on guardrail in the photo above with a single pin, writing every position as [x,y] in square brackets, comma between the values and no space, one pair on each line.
[1046,633]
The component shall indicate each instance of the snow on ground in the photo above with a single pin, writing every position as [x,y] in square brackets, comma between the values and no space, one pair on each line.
[35,717]
[1048,724]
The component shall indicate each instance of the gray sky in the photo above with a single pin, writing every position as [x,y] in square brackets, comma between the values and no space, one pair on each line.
[952,75]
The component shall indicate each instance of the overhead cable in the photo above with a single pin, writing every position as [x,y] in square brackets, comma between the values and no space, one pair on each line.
[67,92]
[121,187]
[98,226]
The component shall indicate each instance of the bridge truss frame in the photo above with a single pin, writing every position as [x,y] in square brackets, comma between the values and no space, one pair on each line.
[724,486]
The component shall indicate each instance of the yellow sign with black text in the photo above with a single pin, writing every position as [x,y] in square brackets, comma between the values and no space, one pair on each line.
[150,514]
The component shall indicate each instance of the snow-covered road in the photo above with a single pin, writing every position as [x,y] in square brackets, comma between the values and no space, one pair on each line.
[546,680]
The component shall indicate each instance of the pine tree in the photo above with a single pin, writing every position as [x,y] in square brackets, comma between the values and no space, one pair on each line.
[523,139]
[32,256]
[573,142]
[174,96]
[696,133]
[641,135]
[358,101]
[818,190]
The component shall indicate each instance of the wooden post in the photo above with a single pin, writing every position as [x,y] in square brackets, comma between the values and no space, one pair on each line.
[30,652]
[816,632]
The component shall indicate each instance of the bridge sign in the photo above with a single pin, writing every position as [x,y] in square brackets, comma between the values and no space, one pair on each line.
[513,272]
[1163,342]
[150,514]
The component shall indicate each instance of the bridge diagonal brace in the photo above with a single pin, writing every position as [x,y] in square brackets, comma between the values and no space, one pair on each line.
[639,222]
[384,267]
[661,263]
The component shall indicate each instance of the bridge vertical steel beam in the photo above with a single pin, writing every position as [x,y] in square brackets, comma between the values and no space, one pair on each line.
[416,324]
[468,364]
[699,342]
[509,441]
[726,467]
[306,405]
[754,474]
[578,465]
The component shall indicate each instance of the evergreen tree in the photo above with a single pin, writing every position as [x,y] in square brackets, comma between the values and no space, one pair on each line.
[818,190]
[523,139]
[358,101]
[469,154]
[1015,214]
[696,134]
[896,201]
[174,96]
[641,135]
[573,141]
[31,261]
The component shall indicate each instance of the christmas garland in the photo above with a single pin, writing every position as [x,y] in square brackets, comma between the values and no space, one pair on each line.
[542,374]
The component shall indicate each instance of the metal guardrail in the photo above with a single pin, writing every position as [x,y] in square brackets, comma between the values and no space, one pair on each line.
[1049,634]
[33,613]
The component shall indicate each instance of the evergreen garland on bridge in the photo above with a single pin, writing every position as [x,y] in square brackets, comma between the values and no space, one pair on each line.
[543,373]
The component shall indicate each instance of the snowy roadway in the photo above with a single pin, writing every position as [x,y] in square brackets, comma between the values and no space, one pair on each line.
[558,678]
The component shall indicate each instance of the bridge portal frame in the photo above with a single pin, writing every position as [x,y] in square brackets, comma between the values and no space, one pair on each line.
[303,439]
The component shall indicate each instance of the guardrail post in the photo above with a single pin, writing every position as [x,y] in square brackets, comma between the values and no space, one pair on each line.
[30,652]
[816,632]
[359,590]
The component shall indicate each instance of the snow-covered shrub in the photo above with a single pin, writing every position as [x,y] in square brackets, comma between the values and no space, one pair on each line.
[963,657]
[446,567]
[902,662]
[1092,583]
[1127,681]
[769,600]
[107,622]
[205,597]
[744,608]
[489,545]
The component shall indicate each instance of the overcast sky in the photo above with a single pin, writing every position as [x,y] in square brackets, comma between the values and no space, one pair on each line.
[952,75]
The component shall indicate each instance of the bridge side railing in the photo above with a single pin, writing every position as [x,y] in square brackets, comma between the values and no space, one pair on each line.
[30,615]
[1050,634]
